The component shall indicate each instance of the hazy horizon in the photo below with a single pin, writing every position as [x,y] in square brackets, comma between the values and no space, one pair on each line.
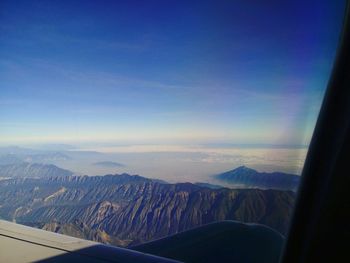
[172,163]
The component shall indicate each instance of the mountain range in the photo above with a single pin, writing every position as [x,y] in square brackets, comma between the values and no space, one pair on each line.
[25,169]
[244,177]
[18,155]
[127,210]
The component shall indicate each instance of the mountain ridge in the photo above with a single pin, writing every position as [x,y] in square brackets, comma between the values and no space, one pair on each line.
[135,209]
[26,169]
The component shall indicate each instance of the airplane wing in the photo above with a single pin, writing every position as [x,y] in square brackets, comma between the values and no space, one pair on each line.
[20,243]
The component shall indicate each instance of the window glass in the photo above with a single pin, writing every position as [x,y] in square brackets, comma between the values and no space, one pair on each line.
[155,117]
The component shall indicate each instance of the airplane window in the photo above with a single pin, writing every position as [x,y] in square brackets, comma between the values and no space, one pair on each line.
[161,126]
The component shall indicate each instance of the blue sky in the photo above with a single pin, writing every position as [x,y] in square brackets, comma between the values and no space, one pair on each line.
[245,72]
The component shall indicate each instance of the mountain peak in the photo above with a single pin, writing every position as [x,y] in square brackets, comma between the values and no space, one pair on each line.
[243,169]
[246,177]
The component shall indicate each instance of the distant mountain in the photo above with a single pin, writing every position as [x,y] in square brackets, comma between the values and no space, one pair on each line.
[245,177]
[10,159]
[56,147]
[16,150]
[135,209]
[25,169]
[12,155]
[109,164]
[46,157]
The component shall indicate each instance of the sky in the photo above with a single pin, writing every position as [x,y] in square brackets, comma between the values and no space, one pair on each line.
[242,72]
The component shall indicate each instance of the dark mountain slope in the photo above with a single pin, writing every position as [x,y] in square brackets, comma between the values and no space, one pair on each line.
[80,230]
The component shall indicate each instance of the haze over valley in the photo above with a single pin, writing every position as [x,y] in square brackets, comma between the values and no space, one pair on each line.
[172,163]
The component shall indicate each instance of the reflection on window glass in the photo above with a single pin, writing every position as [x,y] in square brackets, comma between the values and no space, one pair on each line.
[134,121]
